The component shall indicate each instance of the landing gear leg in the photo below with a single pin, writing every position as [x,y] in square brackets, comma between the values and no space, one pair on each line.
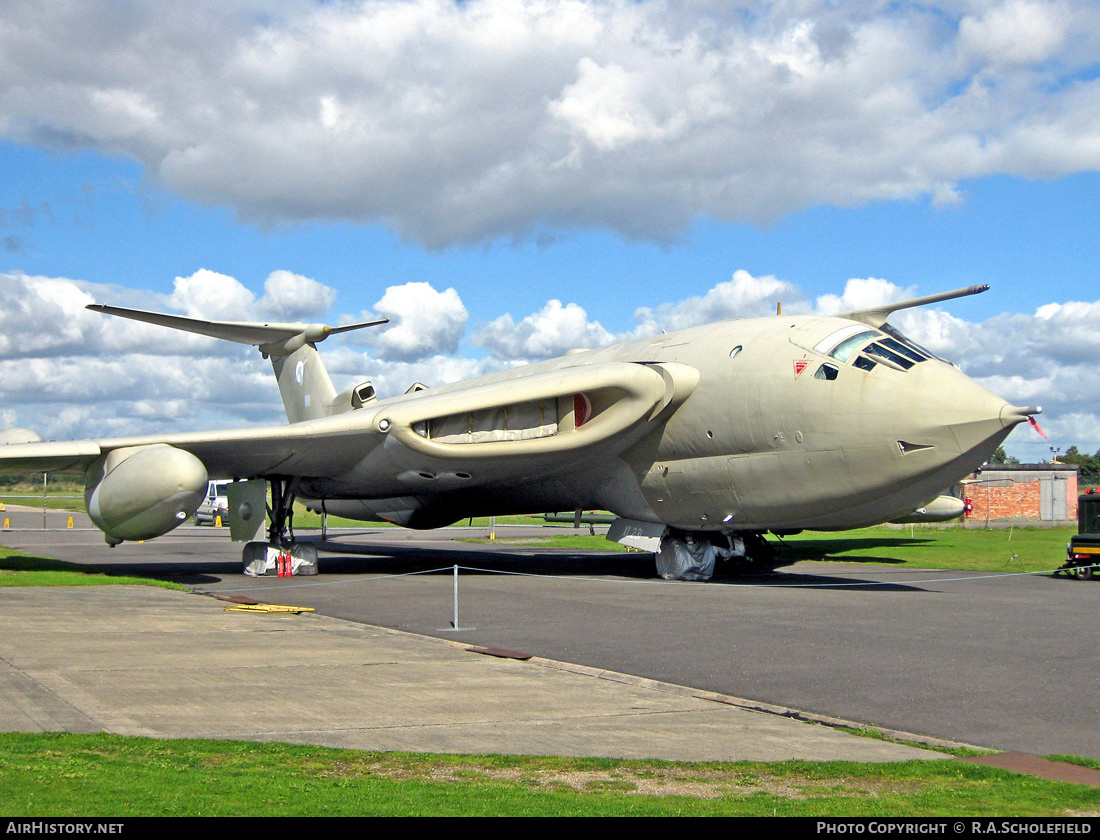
[281,511]
[759,552]
[281,554]
[749,553]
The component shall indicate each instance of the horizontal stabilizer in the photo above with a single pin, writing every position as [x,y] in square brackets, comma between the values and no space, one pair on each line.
[877,316]
[273,339]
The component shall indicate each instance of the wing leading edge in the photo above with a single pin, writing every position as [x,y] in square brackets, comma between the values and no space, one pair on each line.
[498,431]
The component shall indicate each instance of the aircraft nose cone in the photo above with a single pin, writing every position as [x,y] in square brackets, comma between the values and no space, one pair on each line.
[975,419]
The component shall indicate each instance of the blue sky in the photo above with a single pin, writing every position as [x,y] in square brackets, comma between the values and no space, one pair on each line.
[705,162]
[96,218]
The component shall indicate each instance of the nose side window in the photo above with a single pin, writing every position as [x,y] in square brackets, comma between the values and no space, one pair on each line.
[863,363]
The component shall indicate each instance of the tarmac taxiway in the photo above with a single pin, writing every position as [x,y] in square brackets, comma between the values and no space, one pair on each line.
[620,663]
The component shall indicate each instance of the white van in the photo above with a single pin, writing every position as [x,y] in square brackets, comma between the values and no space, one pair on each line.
[214,505]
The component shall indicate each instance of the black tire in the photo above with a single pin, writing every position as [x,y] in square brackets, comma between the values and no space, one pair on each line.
[1082,572]
[760,555]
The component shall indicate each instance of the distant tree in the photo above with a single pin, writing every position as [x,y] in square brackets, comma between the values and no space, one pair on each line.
[999,456]
[1088,465]
[35,479]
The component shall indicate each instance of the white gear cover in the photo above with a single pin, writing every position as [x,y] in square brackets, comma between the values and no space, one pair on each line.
[295,559]
[688,559]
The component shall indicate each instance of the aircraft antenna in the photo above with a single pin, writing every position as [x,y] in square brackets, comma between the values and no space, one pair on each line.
[876,316]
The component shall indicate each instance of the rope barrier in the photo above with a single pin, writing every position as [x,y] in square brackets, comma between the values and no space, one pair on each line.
[650,582]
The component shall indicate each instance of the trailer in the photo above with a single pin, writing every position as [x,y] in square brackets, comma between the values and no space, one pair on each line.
[1083,550]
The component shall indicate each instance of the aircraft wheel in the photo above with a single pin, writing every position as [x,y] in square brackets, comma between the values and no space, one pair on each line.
[1083,572]
[759,552]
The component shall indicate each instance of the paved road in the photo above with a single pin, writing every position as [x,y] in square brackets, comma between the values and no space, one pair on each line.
[1009,662]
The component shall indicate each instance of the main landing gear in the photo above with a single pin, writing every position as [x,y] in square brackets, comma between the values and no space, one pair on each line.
[281,511]
[281,555]
[691,555]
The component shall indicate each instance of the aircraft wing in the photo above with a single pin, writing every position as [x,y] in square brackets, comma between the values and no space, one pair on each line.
[495,430]
[231,453]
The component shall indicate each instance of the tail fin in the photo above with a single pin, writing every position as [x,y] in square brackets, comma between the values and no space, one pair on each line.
[304,383]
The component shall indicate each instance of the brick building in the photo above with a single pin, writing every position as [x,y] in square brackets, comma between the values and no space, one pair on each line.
[1022,494]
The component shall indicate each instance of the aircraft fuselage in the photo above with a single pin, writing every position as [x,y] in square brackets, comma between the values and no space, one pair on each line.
[793,422]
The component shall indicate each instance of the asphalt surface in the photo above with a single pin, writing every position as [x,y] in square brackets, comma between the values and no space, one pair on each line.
[1003,661]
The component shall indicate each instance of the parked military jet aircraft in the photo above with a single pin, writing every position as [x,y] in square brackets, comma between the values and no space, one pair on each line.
[710,435]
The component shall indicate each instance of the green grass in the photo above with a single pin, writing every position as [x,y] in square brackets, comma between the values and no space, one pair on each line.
[577,542]
[878,735]
[971,549]
[57,500]
[975,549]
[18,569]
[113,776]
[62,493]
[1091,763]
[306,519]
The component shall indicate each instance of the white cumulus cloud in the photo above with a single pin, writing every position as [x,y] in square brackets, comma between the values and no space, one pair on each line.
[218,297]
[423,322]
[742,296]
[552,331]
[862,293]
[457,122]
[1016,32]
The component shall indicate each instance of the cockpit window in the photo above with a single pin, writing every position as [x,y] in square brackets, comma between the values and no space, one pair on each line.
[876,349]
[843,351]
[827,371]
[907,351]
[885,345]
[829,345]
[912,345]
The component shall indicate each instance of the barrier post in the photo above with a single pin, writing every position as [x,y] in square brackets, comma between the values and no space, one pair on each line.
[454,604]
[454,623]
